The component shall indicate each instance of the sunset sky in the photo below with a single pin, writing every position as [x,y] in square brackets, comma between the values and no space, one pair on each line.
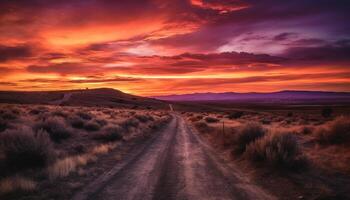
[178,46]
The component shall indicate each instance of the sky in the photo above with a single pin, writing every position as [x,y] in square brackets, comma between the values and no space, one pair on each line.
[158,47]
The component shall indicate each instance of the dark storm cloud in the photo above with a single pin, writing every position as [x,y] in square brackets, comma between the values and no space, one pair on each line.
[64,68]
[323,54]
[14,52]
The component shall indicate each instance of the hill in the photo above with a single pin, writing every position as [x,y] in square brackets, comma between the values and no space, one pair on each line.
[91,97]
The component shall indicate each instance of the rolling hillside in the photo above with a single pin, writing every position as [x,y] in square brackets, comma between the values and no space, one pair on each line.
[92,97]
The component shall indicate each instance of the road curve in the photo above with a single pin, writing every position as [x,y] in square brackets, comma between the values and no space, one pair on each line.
[65,98]
[176,164]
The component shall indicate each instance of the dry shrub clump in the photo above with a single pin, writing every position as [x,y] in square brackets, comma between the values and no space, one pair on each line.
[235,115]
[334,132]
[211,120]
[130,123]
[25,149]
[8,115]
[60,113]
[84,115]
[144,118]
[279,150]
[203,127]
[109,134]
[76,122]
[3,125]
[55,127]
[92,126]
[247,134]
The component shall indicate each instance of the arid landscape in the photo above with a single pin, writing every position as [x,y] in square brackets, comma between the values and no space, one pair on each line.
[174,100]
[188,150]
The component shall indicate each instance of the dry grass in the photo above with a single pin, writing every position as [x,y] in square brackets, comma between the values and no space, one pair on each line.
[279,150]
[211,120]
[52,142]
[109,134]
[76,122]
[25,149]
[68,165]
[56,127]
[16,183]
[92,126]
[334,132]
[247,134]
[235,115]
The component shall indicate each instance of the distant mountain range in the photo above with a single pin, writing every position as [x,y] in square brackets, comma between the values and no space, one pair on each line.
[287,95]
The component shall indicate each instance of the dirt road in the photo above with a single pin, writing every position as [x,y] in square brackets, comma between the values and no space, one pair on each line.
[65,98]
[176,164]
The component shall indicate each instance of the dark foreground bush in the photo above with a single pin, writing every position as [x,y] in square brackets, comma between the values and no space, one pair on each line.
[8,115]
[144,118]
[3,125]
[211,120]
[109,134]
[60,113]
[92,126]
[76,122]
[130,123]
[235,115]
[25,149]
[334,132]
[279,150]
[326,112]
[247,134]
[55,127]
[203,127]
[84,115]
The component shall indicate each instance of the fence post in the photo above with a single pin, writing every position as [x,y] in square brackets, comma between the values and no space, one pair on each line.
[223,132]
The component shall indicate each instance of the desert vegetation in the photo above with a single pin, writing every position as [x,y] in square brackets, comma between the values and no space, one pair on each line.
[41,144]
[309,149]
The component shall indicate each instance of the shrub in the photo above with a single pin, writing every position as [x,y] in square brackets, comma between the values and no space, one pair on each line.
[101,122]
[306,130]
[60,113]
[144,118]
[279,150]
[327,112]
[79,149]
[266,121]
[246,134]
[199,117]
[8,115]
[3,125]
[334,132]
[92,126]
[76,122]
[55,127]
[25,149]
[84,115]
[109,134]
[203,127]
[235,115]
[130,123]
[211,119]
[37,111]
